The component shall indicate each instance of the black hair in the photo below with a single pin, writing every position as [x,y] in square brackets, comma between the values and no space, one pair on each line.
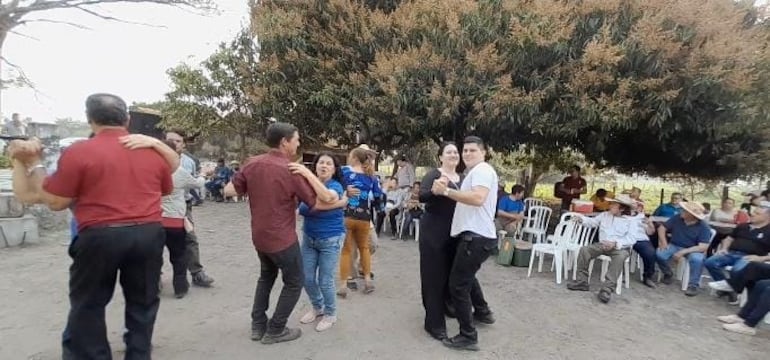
[106,110]
[625,209]
[575,168]
[706,206]
[337,175]
[517,189]
[601,193]
[277,132]
[443,146]
[475,140]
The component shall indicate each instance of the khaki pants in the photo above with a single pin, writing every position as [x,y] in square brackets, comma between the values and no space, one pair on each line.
[357,236]
[587,253]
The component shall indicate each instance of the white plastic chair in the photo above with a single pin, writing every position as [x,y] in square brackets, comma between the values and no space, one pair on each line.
[683,268]
[624,275]
[583,236]
[537,221]
[532,202]
[556,248]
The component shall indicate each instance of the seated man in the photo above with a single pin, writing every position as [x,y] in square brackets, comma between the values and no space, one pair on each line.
[510,210]
[746,239]
[412,206]
[219,179]
[755,278]
[601,200]
[671,209]
[690,237]
[615,238]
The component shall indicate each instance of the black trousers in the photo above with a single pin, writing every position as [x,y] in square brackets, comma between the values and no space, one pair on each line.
[472,251]
[437,253]
[289,262]
[98,255]
[747,277]
[176,242]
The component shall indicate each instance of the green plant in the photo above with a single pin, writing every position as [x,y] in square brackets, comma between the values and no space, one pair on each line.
[5,162]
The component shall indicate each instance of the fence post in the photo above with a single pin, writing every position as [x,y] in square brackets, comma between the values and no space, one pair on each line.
[662,194]
[725,192]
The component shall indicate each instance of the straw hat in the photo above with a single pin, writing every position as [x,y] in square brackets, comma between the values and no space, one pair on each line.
[694,208]
[623,199]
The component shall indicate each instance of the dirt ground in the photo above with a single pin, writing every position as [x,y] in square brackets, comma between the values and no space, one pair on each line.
[536,319]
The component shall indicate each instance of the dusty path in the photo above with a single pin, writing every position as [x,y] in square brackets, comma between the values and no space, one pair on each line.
[536,319]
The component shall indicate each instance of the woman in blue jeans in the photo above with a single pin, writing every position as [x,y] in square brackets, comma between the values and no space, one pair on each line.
[323,234]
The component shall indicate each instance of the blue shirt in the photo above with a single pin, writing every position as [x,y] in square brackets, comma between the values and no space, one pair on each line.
[667,210]
[358,206]
[686,236]
[327,223]
[510,206]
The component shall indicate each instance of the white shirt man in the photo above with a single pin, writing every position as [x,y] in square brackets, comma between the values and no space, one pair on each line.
[474,225]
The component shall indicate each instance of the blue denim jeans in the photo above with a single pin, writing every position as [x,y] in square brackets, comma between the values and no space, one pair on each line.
[695,259]
[321,258]
[716,263]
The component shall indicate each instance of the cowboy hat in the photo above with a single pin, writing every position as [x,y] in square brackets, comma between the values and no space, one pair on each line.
[623,199]
[695,209]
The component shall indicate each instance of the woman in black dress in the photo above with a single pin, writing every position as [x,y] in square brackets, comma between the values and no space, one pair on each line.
[437,248]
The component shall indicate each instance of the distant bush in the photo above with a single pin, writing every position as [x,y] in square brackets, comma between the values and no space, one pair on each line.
[5,162]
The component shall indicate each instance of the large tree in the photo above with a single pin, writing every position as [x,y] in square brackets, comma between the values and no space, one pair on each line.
[211,99]
[15,14]
[657,86]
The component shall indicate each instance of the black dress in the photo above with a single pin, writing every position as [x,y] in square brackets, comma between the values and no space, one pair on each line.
[437,252]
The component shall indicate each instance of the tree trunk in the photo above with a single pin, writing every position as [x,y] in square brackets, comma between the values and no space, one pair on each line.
[242,150]
[3,36]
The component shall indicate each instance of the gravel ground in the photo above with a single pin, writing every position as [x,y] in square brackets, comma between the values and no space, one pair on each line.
[536,319]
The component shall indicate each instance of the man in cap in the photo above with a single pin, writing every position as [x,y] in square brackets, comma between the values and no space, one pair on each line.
[690,237]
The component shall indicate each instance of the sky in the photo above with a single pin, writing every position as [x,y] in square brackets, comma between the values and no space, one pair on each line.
[66,64]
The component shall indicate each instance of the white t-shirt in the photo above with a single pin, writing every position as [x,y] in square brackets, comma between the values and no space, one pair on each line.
[477,219]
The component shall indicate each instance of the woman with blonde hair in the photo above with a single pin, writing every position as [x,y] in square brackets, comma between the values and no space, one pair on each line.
[359,178]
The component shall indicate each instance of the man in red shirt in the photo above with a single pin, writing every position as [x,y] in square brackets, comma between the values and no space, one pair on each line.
[273,194]
[118,194]
[572,187]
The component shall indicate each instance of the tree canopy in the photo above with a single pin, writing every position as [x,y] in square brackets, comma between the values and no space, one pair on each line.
[655,86]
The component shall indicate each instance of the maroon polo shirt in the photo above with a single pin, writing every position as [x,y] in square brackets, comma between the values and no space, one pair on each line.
[109,183]
[273,198]
[572,183]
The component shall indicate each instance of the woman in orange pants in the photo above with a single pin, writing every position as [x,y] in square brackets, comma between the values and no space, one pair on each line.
[359,178]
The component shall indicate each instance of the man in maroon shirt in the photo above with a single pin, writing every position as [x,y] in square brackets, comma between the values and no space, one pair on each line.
[273,194]
[571,187]
[118,194]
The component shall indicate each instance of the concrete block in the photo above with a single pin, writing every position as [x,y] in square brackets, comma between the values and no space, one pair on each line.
[17,231]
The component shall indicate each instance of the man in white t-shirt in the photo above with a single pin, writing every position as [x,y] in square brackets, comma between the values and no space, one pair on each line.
[474,226]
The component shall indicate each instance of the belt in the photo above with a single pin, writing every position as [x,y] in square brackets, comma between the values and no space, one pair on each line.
[116,225]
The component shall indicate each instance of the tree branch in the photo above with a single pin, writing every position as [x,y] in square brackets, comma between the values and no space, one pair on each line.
[23,35]
[112,18]
[82,27]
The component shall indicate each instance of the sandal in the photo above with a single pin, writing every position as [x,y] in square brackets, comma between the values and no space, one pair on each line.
[368,288]
[343,293]
[605,295]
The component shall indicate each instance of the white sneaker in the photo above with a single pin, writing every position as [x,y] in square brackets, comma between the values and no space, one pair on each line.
[740,328]
[310,316]
[730,319]
[721,285]
[326,323]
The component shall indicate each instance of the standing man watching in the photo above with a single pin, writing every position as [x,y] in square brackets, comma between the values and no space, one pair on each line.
[405,173]
[199,276]
[118,231]
[572,187]
[474,225]
[274,185]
